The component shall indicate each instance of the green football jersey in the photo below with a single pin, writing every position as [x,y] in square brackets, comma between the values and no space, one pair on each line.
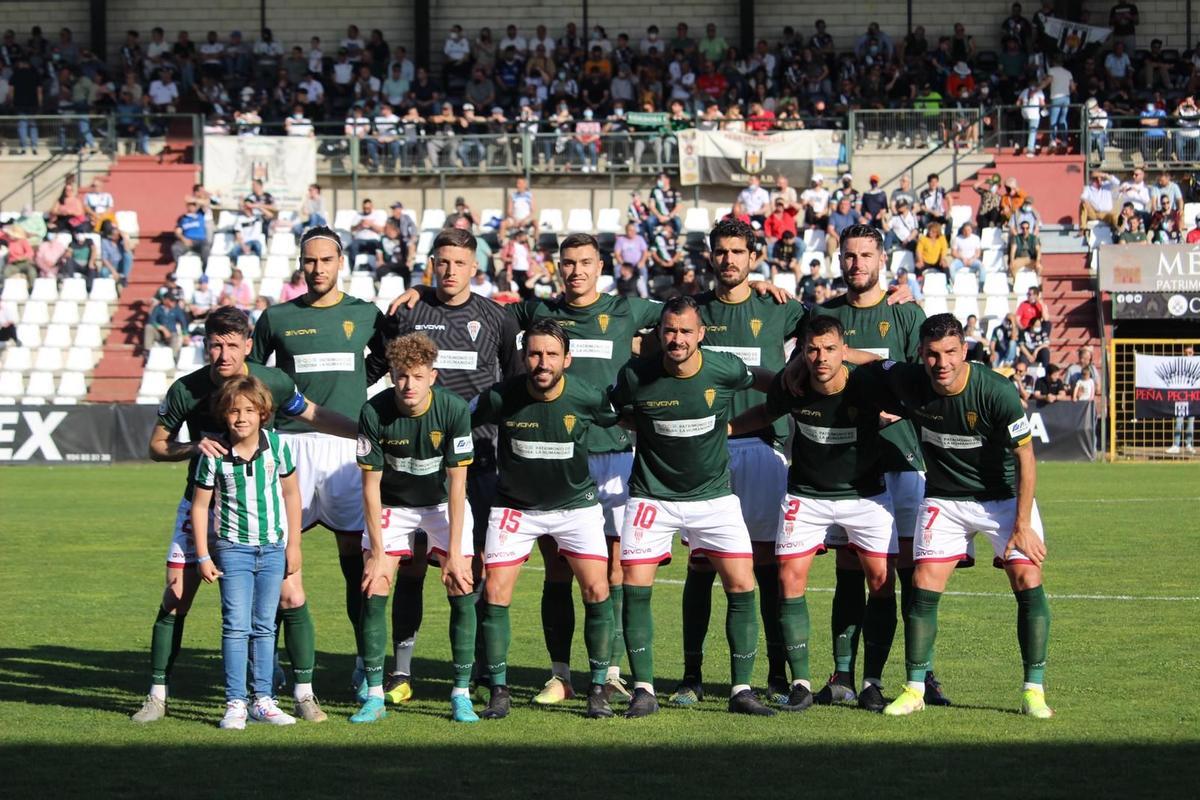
[543,444]
[414,452]
[681,425]
[836,449]
[754,330]
[247,502]
[888,331]
[968,438]
[323,350]
[601,335]
[189,402]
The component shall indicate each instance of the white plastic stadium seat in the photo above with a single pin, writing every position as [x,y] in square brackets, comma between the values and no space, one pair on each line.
[362,286]
[550,220]
[218,267]
[992,237]
[271,287]
[996,306]
[965,284]
[579,220]
[65,313]
[390,287]
[424,245]
[17,359]
[161,359]
[154,384]
[344,219]
[30,334]
[189,265]
[995,261]
[696,220]
[12,385]
[813,240]
[900,258]
[88,335]
[40,387]
[1190,212]
[605,284]
[57,335]
[282,244]
[1101,235]
[434,219]
[127,222]
[1025,279]
[935,284]
[226,220]
[959,216]
[279,267]
[935,305]
[45,290]
[35,312]
[251,267]
[610,221]
[73,289]
[965,307]
[996,283]
[104,289]
[190,357]
[73,385]
[16,289]
[48,359]
[80,359]
[785,281]
[720,212]
[834,268]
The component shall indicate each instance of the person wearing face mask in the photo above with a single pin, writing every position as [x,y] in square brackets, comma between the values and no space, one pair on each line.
[1026,213]
[297,124]
[650,41]
[1154,134]
[599,38]
[586,143]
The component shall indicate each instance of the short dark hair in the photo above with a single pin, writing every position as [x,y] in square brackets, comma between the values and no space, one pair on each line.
[939,326]
[863,232]
[575,240]
[549,327]
[821,325]
[733,229]
[225,320]
[680,304]
[453,237]
[320,232]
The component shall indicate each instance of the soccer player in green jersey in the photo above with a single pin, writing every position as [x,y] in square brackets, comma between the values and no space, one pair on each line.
[753,327]
[981,479]
[889,330]
[546,490]
[319,339]
[188,403]
[835,479]
[414,447]
[679,405]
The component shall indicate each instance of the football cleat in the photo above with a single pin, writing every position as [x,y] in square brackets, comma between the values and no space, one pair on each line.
[839,689]
[615,688]
[372,711]
[555,691]
[933,691]
[151,711]
[461,710]
[1033,703]
[871,698]
[597,702]
[907,703]
[498,704]
[397,689]
[687,694]
[643,704]
[308,709]
[747,702]
[798,699]
[778,691]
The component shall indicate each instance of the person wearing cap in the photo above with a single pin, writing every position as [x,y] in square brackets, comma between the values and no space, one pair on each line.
[190,231]
[816,203]
[989,214]
[1097,128]
[846,190]
[167,323]
[902,228]
[806,287]
[1096,201]
[960,78]
[1011,199]
[874,204]
[203,300]
[1026,213]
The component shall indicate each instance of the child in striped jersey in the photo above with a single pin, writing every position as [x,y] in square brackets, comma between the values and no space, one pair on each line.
[254,492]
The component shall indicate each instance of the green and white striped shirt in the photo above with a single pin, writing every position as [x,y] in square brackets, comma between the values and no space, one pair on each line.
[247,494]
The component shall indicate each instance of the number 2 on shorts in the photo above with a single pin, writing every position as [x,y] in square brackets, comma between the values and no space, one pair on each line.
[793,508]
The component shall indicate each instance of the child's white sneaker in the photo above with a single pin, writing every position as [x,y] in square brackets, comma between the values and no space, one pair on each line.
[266,710]
[235,716]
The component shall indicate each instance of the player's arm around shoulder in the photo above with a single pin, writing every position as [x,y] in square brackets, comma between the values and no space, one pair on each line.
[778,402]
[485,407]
[376,359]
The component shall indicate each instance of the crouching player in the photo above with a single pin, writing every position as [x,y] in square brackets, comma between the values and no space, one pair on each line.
[414,446]
[546,489]
[835,479]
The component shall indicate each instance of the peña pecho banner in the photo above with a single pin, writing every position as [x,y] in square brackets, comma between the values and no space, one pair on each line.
[1166,386]
[732,157]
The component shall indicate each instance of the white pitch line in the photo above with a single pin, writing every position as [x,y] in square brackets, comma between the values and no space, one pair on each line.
[1122,598]
[1115,500]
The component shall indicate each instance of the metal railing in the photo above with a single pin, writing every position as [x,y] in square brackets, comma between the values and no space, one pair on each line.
[110,134]
[1123,147]
[916,129]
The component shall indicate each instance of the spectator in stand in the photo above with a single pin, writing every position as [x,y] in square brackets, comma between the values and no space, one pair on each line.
[1165,222]
[190,232]
[631,249]
[1005,344]
[664,207]
[1024,251]
[1035,345]
[1050,388]
[1134,233]
[1011,200]
[712,46]
[1018,28]
[1136,193]
[933,205]
[1031,309]
[844,216]
[1097,128]
[1024,381]
[1118,68]
[1193,236]
[516,255]
[932,252]
[481,284]
[262,205]
[816,204]
[666,258]
[237,291]
[965,253]
[782,220]
[312,211]
[1165,187]
[1031,101]
[1026,213]
[457,64]
[392,255]
[1123,19]
[903,229]
[874,204]
[903,193]
[1187,118]
[755,200]
[203,300]
[295,287]
[1084,368]
[522,212]
[1061,84]
[116,256]
[367,229]
[1154,134]
[628,282]
[586,142]
[20,254]
[784,191]
[1096,202]
[806,287]
[1184,432]
[167,324]
[785,255]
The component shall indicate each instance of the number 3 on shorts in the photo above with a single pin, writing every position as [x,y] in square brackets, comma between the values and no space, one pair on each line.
[385,518]
[644,516]
[510,520]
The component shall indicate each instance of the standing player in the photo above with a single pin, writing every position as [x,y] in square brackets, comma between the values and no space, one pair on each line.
[227,340]
[835,479]
[319,339]
[754,328]
[889,331]
[414,446]
[679,403]
[476,346]
[546,490]
[981,479]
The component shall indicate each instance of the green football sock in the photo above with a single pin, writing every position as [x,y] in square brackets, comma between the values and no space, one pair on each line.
[617,593]
[741,629]
[597,634]
[905,578]
[920,632]
[462,638]
[793,618]
[352,574]
[697,607]
[1033,631]
[300,639]
[165,639]
[879,630]
[374,637]
[558,619]
[408,607]
[639,632]
[767,576]
[497,634]
[846,616]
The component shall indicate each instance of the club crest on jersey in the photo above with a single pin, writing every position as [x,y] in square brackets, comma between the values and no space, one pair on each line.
[348,328]
[436,438]
[569,422]
[473,328]
[884,327]
[972,418]
[603,319]
[710,395]
[755,328]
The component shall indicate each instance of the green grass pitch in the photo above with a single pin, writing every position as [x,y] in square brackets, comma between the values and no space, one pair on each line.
[81,566]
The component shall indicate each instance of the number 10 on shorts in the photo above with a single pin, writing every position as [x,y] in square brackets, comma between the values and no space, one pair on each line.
[644,516]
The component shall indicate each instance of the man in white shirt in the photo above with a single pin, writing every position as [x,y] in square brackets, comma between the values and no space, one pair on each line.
[785,193]
[1119,68]
[1135,192]
[651,41]
[316,56]
[212,56]
[457,50]
[816,204]
[520,208]
[544,39]
[164,92]
[755,200]
[902,228]
[1096,202]
[297,124]
[386,138]
[367,230]
[1031,101]
[1061,84]
[353,44]
[514,40]
[1097,127]
[964,253]
[314,89]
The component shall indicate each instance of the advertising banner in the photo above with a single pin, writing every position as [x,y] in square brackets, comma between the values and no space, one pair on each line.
[1156,305]
[97,434]
[731,157]
[1166,386]
[285,164]
[1064,431]
[1169,268]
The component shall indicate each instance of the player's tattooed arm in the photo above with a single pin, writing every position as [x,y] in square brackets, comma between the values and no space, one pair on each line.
[163,449]
[1023,537]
